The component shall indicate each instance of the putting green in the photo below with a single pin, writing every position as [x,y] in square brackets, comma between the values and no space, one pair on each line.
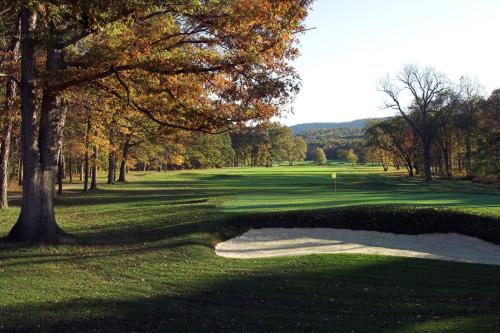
[299,187]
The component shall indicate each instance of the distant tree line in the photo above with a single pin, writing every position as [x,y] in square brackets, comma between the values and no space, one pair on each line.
[305,127]
[335,142]
[102,141]
[266,144]
[445,130]
[261,145]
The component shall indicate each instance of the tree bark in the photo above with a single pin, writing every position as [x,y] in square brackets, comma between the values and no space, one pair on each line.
[111,156]
[122,177]
[93,184]
[416,167]
[123,164]
[86,172]
[111,168]
[20,170]
[410,169]
[37,218]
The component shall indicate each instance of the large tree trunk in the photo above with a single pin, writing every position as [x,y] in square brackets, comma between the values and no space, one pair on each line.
[93,184]
[10,95]
[123,164]
[410,169]
[416,166]
[111,156]
[20,170]
[86,172]
[122,177]
[37,218]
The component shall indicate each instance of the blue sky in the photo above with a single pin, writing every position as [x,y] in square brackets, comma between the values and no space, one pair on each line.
[356,42]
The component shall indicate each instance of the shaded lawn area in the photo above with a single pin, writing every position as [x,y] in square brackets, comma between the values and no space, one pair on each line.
[146,261]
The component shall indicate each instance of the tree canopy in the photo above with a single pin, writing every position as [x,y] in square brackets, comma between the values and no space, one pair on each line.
[135,72]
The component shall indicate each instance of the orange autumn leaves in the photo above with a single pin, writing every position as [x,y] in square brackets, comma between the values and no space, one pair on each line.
[204,67]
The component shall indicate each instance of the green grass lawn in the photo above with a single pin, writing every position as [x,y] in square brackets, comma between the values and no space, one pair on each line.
[145,261]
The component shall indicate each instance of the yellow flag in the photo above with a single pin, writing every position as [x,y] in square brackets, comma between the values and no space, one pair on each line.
[334,175]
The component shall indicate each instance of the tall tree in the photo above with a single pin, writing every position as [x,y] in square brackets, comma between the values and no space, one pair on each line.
[471,102]
[296,150]
[191,66]
[488,139]
[432,101]
[95,156]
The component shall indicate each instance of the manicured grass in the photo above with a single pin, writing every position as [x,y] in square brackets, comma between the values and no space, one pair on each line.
[310,188]
[145,261]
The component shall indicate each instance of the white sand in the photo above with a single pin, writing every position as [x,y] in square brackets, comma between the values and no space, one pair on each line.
[276,242]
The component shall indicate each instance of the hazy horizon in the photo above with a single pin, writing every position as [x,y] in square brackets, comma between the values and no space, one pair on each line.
[353,44]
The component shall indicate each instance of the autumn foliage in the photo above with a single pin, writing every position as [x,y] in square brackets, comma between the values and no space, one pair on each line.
[110,77]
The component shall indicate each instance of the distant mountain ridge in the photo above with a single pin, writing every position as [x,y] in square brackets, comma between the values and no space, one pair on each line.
[358,123]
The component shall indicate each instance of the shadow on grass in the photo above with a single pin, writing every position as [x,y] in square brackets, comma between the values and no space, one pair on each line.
[131,197]
[330,296]
[130,237]
[19,260]
[164,231]
[373,187]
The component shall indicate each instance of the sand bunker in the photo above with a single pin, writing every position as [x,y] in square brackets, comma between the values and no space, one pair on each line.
[275,242]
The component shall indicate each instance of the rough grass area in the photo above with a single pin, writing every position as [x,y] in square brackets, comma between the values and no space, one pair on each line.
[145,261]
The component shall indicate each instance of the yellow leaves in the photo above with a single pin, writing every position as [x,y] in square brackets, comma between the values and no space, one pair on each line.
[125,130]
[177,160]
[99,141]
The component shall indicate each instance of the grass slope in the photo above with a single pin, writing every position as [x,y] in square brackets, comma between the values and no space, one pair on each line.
[146,261]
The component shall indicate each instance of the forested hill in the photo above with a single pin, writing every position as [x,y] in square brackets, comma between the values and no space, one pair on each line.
[331,140]
[358,123]
[327,135]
